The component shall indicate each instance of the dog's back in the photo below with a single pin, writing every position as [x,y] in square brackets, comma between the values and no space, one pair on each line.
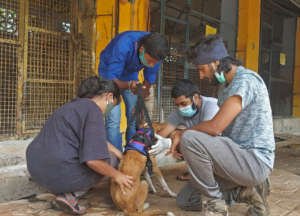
[132,164]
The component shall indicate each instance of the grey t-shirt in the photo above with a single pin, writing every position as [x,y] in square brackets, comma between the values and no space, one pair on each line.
[73,134]
[253,126]
[208,110]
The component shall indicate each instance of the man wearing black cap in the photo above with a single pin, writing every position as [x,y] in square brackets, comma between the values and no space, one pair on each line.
[234,167]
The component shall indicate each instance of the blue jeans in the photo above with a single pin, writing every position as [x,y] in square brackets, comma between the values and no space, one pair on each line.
[113,120]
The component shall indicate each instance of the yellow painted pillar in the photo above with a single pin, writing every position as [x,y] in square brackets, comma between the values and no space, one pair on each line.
[249,33]
[296,92]
[105,26]
[134,17]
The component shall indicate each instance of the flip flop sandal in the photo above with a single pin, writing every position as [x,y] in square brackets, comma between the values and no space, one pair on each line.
[69,204]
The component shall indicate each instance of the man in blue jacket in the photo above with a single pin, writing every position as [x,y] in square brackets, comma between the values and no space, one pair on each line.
[121,61]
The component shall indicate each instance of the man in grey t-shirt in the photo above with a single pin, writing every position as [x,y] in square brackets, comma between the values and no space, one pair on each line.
[234,167]
[192,109]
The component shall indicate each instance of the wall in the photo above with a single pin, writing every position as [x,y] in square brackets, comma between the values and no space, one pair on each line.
[228,27]
[249,33]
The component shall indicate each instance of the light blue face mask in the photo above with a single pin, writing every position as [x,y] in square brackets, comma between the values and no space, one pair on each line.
[187,111]
[143,59]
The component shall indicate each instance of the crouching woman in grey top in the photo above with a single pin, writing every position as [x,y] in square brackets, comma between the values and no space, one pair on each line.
[71,153]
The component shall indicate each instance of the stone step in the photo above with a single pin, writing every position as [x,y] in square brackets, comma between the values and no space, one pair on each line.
[287,125]
[12,152]
[15,183]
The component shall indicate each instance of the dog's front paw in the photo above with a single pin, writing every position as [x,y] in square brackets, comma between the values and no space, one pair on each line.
[146,205]
[120,214]
[170,214]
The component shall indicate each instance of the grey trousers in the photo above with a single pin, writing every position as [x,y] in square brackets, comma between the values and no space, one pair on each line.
[217,164]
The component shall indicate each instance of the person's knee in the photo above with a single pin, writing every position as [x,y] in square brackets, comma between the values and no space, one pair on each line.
[113,160]
[186,139]
[256,180]
[191,140]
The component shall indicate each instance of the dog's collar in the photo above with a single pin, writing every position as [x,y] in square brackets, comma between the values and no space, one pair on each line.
[135,145]
[138,142]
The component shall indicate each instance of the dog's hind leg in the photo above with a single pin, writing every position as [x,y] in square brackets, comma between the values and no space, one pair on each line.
[165,186]
[142,194]
[149,181]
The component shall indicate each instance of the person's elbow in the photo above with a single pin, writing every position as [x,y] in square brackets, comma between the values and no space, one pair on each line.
[215,132]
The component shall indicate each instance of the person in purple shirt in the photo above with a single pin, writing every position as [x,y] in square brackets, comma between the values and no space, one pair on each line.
[71,153]
[121,61]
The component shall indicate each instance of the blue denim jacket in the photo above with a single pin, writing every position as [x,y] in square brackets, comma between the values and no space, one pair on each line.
[120,59]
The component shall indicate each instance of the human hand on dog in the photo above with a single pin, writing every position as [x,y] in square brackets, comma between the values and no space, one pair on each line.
[161,144]
[124,181]
[133,86]
[175,145]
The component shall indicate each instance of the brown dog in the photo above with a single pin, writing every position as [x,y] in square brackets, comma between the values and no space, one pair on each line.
[132,203]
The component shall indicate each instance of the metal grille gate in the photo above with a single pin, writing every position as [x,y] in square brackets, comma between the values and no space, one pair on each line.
[185,22]
[39,70]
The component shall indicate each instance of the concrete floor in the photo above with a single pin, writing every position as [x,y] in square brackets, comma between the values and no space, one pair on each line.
[284,199]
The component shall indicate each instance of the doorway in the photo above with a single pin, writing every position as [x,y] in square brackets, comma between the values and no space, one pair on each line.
[277,54]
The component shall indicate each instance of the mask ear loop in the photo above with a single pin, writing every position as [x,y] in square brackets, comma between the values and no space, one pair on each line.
[193,103]
[111,101]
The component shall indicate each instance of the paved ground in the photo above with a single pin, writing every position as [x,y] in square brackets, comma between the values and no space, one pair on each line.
[284,199]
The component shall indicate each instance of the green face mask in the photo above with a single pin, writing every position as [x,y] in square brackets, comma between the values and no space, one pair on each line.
[109,107]
[143,59]
[220,77]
